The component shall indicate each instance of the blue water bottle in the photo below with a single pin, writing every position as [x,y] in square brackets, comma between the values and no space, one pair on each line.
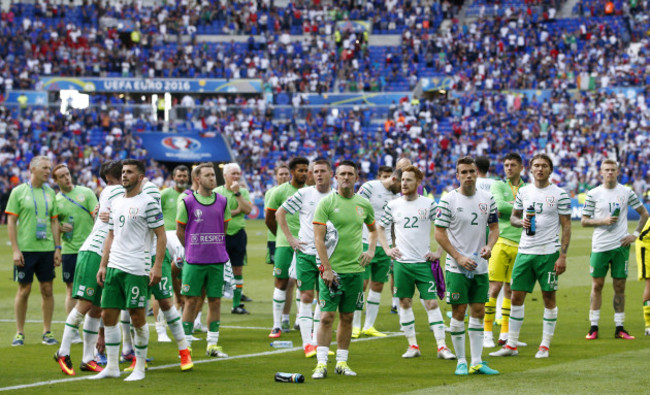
[289,377]
[282,344]
[530,214]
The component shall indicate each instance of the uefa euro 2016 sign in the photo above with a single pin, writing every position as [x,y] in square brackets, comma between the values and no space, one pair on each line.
[188,147]
[152,85]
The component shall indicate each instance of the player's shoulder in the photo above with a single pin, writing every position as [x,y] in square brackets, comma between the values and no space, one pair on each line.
[449,197]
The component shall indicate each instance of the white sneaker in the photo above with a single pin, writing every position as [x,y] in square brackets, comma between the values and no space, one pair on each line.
[542,352]
[412,352]
[76,338]
[506,351]
[521,344]
[198,327]
[488,341]
[320,372]
[163,337]
[343,369]
[445,353]
[647,331]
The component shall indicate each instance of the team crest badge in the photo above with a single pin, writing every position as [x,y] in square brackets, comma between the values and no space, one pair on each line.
[81,198]
[322,303]
[185,288]
[422,213]
[550,201]
[198,214]
[455,296]
[360,211]
[483,207]
[133,211]
[277,271]
[90,291]
[621,199]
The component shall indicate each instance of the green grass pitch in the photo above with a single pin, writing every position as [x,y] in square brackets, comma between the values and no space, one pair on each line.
[575,366]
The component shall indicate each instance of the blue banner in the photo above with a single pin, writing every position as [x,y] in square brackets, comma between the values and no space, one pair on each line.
[152,85]
[34,98]
[368,99]
[186,147]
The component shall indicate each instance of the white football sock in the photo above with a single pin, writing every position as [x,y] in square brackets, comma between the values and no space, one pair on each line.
[279,297]
[457,330]
[407,321]
[306,323]
[173,319]
[475,329]
[516,321]
[594,317]
[91,333]
[548,327]
[372,308]
[437,323]
[72,323]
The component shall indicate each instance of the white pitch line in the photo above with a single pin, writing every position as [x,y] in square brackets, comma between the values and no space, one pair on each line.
[150,324]
[175,365]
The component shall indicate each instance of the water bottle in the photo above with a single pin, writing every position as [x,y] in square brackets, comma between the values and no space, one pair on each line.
[289,377]
[617,210]
[530,214]
[334,287]
[467,273]
[68,235]
[282,344]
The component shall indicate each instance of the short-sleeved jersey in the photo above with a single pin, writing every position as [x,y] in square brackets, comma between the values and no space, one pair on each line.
[238,221]
[379,197]
[181,210]
[549,202]
[30,206]
[484,183]
[504,196]
[132,221]
[304,203]
[279,196]
[168,203]
[347,216]
[267,196]
[82,220]
[413,220]
[95,240]
[600,203]
[466,218]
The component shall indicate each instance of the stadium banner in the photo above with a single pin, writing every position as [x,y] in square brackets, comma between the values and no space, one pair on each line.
[354,26]
[430,84]
[367,99]
[32,98]
[186,147]
[152,85]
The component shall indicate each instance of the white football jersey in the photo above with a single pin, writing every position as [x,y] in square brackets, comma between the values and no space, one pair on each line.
[466,219]
[304,203]
[379,197]
[413,220]
[149,188]
[600,204]
[95,240]
[549,203]
[132,222]
[484,183]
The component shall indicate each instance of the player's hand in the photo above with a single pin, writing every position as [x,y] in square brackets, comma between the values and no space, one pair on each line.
[610,220]
[234,186]
[466,262]
[154,276]
[486,252]
[19,259]
[101,276]
[525,222]
[328,276]
[66,227]
[235,211]
[394,253]
[105,216]
[296,244]
[560,265]
[432,256]
[365,258]
[57,257]
[627,240]
[101,344]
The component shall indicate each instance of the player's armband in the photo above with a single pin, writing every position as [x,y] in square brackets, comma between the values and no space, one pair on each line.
[494,217]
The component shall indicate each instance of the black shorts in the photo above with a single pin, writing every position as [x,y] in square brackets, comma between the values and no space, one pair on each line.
[236,247]
[41,263]
[68,264]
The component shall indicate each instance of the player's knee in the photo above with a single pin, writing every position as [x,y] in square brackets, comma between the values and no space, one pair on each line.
[46,290]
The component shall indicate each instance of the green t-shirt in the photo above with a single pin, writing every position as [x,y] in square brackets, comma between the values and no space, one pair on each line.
[30,208]
[347,215]
[504,196]
[181,209]
[238,221]
[82,221]
[267,196]
[279,196]
[169,202]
